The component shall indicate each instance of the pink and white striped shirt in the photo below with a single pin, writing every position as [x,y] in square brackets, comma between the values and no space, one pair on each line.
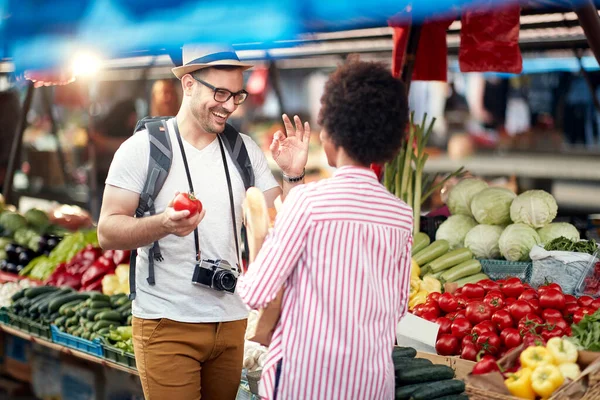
[341,247]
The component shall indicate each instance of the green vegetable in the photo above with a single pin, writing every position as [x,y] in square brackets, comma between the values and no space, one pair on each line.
[437,389]
[564,244]
[535,208]
[58,302]
[26,237]
[97,304]
[462,270]
[18,295]
[461,195]
[453,397]
[91,313]
[450,259]
[471,279]
[72,321]
[586,334]
[404,363]
[491,206]
[454,230]
[425,374]
[420,241]
[557,229]
[108,316]
[60,321]
[403,352]
[431,252]
[36,291]
[12,221]
[516,242]
[124,306]
[104,324]
[483,240]
[118,299]
[97,296]
[37,218]
[404,392]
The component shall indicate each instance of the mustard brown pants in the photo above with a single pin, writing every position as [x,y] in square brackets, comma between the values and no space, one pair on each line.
[189,361]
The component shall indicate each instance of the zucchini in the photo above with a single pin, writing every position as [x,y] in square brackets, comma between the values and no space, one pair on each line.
[86,335]
[103,331]
[462,270]
[129,320]
[46,303]
[404,392]
[119,302]
[471,279]
[77,332]
[420,241]
[60,321]
[97,296]
[53,317]
[436,276]
[404,363]
[453,397]
[68,306]
[34,307]
[108,316]
[89,324]
[126,313]
[18,295]
[92,313]
[96,304]
[116,298]
[450,259]
[104,324]
[428,373]
[437,389]
[72,321]
[403,352]
[55,304]
[124,306]
[431,252]
[33,292]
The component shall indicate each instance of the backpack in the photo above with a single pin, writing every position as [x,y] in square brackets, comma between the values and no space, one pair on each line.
[159,164]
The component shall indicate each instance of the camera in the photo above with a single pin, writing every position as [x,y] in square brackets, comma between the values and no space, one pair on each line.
[216,274]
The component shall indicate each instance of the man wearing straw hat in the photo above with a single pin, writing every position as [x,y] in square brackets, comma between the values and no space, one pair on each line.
[189,338]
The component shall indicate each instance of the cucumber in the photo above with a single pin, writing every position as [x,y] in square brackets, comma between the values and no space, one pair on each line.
[72,321]
[124,306]
[77,332]
[86,335]
[437,389]
[60,321]
[425,374]
[33,292]
[403,352]
[104,324]
[46,303]
[461,270]
[18,295]
[103,331]
[97,296]
[92,313]
[67,306]
[453,397]
[431,252]
[108,316]
[55,304]
[450,259]
[129,320]
[34,307]
[404,363]
[404,392]
[119,302]
[420,241]
[89,324]
[126,313]
[96,304]
[115,298]
[471,279]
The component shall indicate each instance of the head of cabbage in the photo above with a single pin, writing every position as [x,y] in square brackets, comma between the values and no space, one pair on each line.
[491,206]
[454,230]
[483,241]
[516,242]
[535,208]
[557,229]
[461,195]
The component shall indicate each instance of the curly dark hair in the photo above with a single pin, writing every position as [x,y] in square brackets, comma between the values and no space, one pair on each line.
[364,110]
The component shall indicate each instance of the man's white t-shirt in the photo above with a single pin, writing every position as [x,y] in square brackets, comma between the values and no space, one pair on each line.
[174,296]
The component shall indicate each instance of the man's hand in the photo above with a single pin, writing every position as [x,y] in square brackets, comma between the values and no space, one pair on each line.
[177,222]
[290,150]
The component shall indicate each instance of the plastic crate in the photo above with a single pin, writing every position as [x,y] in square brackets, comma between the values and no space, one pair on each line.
[501,269]
[119,356]
[17,322]
[37,329]
[4,318]
[74,342]
[588,283]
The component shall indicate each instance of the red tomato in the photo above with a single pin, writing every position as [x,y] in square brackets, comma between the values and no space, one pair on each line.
[548,334]
[483,327]
[447,345]
[478,311]
[187,201]
[508,301]
[531,323]
[469,352]
[557,322]
[502,320]
[595,304]
[462,301]
[570,299]
[460,327]
[469,339]
[527,286]
[585,301]
[489,342]
[511,338]
[529,294]
[569,311]
[486,365]
[434,296]
[454,315]
[550,313]
[568,331]
[494,301]
[431,308]
[488,285]
[473,291]
[552,298]
[418,309]
[444,324]
[535,304]
[533,339]
[519,309]
[554,286]
[429,316]
[582,312]
[513,287]
[448,302]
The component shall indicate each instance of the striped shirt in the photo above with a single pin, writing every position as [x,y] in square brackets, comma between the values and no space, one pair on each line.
[341,247]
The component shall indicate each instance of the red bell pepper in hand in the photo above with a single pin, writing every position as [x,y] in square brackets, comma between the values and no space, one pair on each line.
[101,267]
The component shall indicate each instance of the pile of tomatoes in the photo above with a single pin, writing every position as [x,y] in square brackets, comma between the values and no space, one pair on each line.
[493,317]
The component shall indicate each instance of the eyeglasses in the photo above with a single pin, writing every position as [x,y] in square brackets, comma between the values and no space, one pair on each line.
[223,95]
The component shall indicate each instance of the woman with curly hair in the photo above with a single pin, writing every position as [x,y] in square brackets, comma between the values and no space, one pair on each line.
[341,248]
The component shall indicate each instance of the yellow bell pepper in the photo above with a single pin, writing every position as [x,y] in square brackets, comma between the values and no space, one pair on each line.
[562,350]
[534,356]
[431,285]
[569,370]
[519,384]
[419,298]
[415,270]
[110,284]
[546,379]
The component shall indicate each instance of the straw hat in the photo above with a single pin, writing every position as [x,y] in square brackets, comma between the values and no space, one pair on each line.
[196,57]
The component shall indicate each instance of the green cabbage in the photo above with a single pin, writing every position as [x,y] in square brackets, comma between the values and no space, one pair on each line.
[516,242]
[454,230]
[556,230]
[12,221]
[37,218]
[491,206]
[459,199]
[535,208]
[483,241]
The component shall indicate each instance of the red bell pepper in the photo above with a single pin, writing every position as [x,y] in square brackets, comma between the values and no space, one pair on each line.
[66,279]
[93,286]
[101,267]
[121,257]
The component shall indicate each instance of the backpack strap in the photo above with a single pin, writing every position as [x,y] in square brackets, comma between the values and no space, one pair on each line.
[239,154]
[159,165]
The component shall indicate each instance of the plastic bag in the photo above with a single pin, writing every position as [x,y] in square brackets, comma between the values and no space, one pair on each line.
[489,41]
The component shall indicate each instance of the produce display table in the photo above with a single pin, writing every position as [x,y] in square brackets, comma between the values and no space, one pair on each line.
[66,350]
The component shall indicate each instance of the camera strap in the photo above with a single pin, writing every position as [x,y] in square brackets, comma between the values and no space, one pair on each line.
[189,178]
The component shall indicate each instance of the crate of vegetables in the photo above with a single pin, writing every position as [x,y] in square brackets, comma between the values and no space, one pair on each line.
[501,269]
[589,284]
[92,347]
[118,346]
[36,328]
[4,318]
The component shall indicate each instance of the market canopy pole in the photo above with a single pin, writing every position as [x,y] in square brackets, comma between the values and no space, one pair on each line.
[590,22]
[411,55]
[15,151]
